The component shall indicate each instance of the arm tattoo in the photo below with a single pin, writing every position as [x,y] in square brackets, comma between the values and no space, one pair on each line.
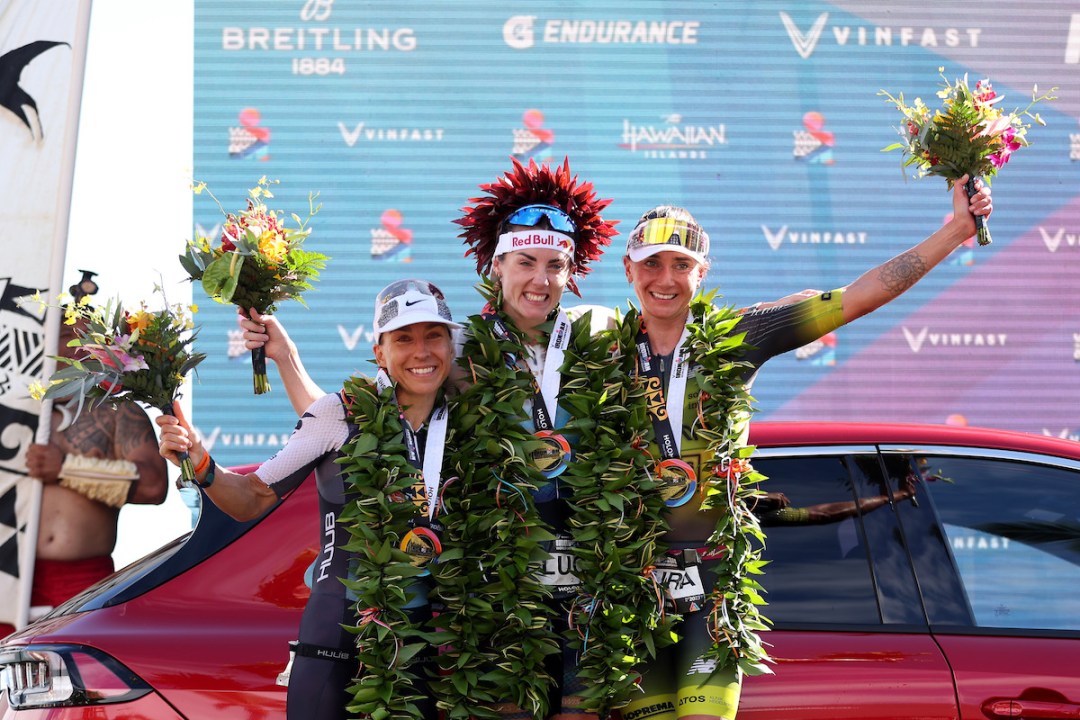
[903,271]
[90,434]
[133,429]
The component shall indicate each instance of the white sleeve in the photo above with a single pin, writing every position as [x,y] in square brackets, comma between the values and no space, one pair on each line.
[321,429]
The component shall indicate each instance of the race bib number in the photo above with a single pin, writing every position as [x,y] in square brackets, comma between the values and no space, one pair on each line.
[558,571]
[679,575]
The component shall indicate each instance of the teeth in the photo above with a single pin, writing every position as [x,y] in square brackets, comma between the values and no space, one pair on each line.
[535,298]
[661,296]
[422,371]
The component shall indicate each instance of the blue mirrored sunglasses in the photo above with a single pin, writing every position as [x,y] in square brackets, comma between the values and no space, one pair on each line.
[531,215]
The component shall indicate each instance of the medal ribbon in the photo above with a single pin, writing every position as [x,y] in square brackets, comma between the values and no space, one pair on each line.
[430,464]
[546,397]
[668,428]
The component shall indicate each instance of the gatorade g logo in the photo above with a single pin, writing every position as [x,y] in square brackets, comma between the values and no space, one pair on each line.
[654,395]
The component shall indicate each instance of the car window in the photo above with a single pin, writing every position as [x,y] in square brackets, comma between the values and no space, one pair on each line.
[819,569]
[1013,530]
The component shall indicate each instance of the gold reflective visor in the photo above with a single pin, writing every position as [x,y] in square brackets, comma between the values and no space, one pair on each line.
[669,231]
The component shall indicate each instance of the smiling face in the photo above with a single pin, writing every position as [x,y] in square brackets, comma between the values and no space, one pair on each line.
[665,283]
[533,282]
[418,358]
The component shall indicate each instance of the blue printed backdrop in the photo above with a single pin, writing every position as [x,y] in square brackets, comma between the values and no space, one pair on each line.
[762,118]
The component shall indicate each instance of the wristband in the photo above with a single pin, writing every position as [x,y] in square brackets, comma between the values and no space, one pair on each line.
[202,463]
[209,479]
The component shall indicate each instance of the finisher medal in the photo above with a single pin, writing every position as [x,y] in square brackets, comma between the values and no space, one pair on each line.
[553,457]
[422,545]
[678,481]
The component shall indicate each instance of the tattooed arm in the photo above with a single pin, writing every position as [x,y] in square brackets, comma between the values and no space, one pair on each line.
[890,279]
[136,441]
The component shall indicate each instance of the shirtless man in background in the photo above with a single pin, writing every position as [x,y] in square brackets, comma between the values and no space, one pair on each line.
[77,534]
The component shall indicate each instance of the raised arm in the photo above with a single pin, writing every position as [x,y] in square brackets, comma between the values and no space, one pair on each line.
[266,331]
[890,279]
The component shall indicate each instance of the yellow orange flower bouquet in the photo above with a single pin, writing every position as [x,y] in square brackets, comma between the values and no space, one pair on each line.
[258,261]
[142,355]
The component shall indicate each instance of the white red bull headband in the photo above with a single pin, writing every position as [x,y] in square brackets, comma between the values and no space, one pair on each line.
[558,235]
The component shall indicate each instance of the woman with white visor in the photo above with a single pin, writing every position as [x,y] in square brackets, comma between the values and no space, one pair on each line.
[376,448]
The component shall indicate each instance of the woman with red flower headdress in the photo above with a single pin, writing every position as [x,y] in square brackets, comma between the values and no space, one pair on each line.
[510,595]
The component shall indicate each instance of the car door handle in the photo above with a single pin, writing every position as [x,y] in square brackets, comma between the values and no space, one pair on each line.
[1009,708]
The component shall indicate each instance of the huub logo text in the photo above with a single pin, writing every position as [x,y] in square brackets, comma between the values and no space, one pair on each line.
[876,35]
[924,337]
[329,528]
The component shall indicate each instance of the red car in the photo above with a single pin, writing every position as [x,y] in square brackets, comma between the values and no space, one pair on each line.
[917,572]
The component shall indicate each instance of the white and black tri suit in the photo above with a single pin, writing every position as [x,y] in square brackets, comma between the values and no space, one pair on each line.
[324,664]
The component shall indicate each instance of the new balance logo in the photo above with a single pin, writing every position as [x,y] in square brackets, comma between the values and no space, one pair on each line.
[702,665]
[805,44]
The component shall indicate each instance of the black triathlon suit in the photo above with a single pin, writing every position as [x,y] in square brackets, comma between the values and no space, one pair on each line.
[325,663]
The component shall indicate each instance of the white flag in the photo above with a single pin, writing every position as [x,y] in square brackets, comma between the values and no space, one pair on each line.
[42,55]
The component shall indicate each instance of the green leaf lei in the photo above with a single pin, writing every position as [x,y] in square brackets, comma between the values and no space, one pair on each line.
[495,625]
[731,486]
[617,516]
[377,518]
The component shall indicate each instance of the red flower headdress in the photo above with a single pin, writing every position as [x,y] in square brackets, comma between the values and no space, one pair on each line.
[537,185]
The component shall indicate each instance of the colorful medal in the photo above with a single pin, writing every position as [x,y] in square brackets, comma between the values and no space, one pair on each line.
[422,545]
[678,481]
[553,457]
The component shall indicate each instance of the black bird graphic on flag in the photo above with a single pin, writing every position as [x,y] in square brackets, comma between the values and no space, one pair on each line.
[12,64]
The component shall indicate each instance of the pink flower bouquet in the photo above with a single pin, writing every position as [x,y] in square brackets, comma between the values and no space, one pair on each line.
[968,135]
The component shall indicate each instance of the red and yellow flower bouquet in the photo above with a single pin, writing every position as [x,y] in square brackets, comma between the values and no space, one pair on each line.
[258,261]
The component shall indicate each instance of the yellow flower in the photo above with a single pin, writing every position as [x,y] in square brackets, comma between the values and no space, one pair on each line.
[272,246]
[139,321]
[37,390]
